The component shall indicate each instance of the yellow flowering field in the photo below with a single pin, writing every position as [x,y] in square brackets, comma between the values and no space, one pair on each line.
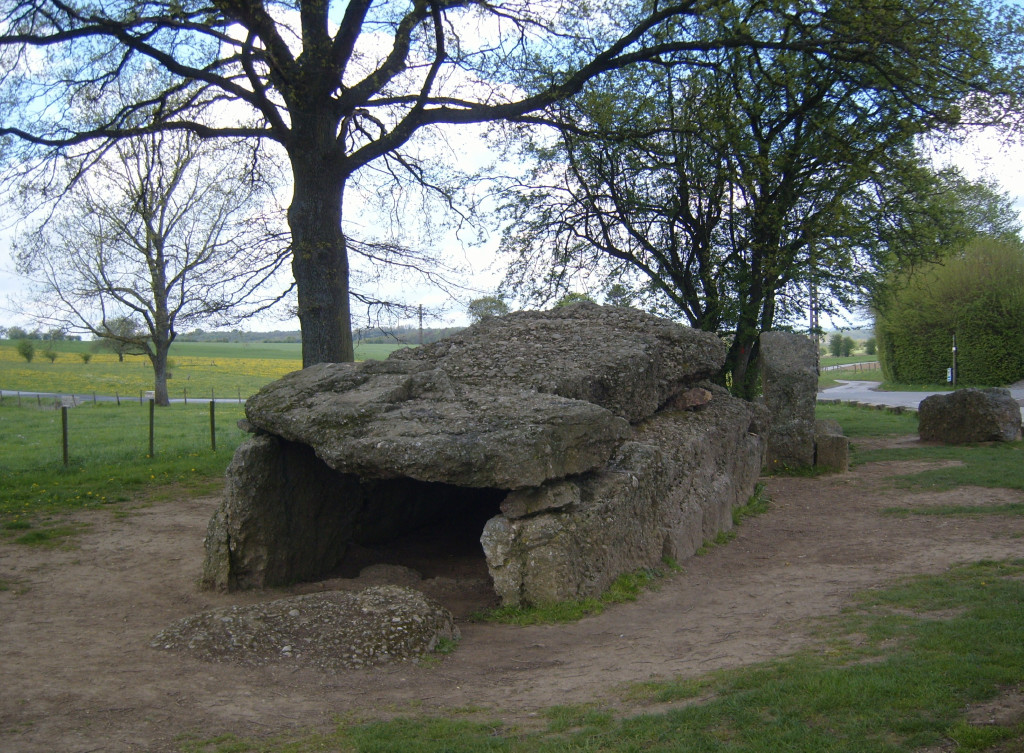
[195,376]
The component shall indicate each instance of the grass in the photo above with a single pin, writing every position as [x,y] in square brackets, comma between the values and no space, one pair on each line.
[868,422]
[993,465]
[198,370]
[894,673]
[997,465]
[109,463]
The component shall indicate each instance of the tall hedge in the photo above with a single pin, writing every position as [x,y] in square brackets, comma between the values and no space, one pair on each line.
[978,295]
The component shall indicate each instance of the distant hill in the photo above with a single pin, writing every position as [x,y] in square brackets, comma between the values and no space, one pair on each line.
[403,335]
[864,333]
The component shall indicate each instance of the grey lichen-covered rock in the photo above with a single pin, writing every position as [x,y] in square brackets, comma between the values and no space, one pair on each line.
[621,359]
[970,415]
[511,402]
[398,420]
[789,383]
[279,518]
[831,447]
[673,486]
[331,630]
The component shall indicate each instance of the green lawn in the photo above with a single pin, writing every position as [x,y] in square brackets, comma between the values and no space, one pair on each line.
[108,457]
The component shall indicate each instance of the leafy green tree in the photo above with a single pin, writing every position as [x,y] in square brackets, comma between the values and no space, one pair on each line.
[122,335]
[570,298]
[86,357]
[871,346]
[618,294]
[847,346]
[729,190]
[49,353]
[835,344]
[344,89]
[975,296]
[26,350]
[486,308]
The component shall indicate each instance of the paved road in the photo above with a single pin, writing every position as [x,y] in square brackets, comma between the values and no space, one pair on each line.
[868,392]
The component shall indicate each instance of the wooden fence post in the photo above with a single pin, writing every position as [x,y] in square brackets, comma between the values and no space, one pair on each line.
[64,432]
[152,404]
[213,428]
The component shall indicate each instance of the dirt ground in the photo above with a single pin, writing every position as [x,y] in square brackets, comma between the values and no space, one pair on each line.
[77,672]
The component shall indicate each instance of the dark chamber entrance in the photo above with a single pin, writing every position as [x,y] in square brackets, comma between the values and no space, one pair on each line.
[431,528]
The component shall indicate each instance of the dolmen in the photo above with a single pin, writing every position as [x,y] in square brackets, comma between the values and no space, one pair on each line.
[590,435]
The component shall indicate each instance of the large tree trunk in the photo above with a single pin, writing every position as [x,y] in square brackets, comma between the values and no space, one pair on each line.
[320,260]
[159,360]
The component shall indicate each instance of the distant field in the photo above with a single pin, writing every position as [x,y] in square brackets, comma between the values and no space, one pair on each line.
[198,370]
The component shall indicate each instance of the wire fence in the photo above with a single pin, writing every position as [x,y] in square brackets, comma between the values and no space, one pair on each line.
[862,366]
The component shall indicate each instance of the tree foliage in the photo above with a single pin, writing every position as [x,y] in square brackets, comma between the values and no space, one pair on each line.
[724,187]
[121,335]
[161,233]
[344,87]
[26,350]
[486,308]
[975,296]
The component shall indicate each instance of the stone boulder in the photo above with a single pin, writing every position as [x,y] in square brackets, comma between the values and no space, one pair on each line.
[831,446]
[789,383]
[667,490]
[970,415]
[331,630]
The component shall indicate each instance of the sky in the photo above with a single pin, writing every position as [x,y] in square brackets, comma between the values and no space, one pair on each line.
[984,155]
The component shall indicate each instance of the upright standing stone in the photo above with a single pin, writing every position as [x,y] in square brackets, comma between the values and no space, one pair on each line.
[789,382]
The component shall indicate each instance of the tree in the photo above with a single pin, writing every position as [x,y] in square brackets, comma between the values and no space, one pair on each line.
[976,296]
[161,229]
[726,193]
[122,335]
[341,89]
[572,297]
[26,350]
[49,353]
[86,357]
[871,346]
[835,344]
[486,308]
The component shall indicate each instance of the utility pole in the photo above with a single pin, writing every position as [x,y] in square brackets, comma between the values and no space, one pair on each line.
[421,324]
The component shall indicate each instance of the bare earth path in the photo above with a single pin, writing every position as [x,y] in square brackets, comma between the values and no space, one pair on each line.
[77,672]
